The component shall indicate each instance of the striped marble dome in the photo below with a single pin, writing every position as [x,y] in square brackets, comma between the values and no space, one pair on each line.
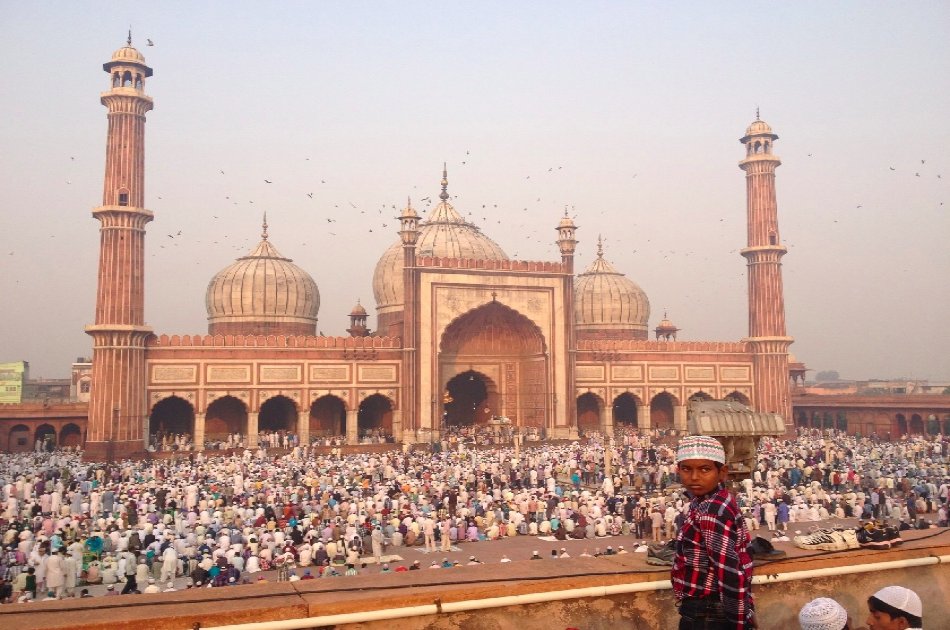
[444,233]
[608,304]
[262,293]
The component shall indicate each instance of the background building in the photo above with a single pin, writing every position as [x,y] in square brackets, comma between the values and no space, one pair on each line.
[465,335]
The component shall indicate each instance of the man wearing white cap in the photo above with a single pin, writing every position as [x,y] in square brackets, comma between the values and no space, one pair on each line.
[712,569]
[823,614]
[894,608]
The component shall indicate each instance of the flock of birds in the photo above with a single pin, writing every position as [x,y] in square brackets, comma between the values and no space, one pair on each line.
[483,217]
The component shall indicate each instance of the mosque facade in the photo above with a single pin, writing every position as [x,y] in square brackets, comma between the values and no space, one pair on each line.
[465,335]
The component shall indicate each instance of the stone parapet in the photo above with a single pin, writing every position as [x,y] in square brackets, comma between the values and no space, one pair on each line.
[777,603]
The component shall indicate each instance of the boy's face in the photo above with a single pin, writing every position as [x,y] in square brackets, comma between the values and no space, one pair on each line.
[882,621]
[700,476]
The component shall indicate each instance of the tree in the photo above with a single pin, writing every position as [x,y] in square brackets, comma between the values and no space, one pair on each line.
[828,375]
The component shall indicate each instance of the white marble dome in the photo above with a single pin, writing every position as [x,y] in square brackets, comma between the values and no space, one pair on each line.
[444,233]
[262,293]
[606,301]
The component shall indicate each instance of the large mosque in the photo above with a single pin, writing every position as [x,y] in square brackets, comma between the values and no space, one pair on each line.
[465,335]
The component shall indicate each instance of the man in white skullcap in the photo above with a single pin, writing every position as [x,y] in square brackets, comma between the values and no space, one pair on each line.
[894,608]
[823,614]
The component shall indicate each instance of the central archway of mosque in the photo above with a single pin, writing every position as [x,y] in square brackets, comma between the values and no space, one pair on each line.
[466,400]
[493,362]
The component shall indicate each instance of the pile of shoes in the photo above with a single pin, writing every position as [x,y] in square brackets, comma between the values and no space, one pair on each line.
[828,540]
[762,550]
[661,554]
[878,535]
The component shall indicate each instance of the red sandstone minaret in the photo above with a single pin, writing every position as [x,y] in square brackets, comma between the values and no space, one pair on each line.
[117,407]
[409,236]
[767,336]
[567,244]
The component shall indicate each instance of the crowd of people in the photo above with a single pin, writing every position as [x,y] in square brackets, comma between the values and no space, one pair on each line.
[222,519]
[163,441]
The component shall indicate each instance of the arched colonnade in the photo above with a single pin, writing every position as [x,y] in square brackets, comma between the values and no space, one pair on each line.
[326,416]
[663,411]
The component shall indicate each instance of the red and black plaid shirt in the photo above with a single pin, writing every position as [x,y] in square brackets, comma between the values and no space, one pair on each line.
[712,558]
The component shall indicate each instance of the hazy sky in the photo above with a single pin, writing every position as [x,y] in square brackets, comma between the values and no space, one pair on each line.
[628,112]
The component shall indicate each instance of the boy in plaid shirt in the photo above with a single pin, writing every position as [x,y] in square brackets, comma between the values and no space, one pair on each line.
[712,570]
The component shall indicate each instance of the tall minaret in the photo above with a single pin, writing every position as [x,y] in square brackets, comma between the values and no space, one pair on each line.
[411,333]
[567,244]
[767,336]
[118,413]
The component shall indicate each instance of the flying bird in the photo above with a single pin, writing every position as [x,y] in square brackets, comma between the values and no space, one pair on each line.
[149,42]
[892,168]
[310,195]
[267,181]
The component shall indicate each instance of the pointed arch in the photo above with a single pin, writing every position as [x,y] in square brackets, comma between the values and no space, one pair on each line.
[225,416]
[492,328]
[739,397]
[171,415]
[470,397]
[589,412]
[327,416]
[70,435]
[625,410]
[496,339]
[375,414]
[278,413]
[46,435]
[661,410]
[19,439]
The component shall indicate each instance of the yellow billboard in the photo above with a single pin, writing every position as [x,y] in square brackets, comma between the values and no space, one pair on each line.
[11,381]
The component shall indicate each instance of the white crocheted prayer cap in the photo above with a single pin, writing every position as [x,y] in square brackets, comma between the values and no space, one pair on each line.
[700,447]
[902,599]
[822,614]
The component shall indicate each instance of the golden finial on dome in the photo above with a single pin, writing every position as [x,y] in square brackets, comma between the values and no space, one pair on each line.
[757,113]
[600,246]
[128,40]
[444,195]
[264,230]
